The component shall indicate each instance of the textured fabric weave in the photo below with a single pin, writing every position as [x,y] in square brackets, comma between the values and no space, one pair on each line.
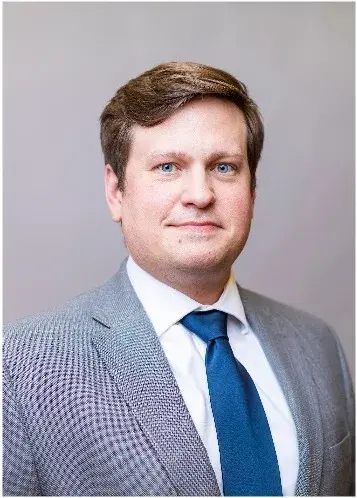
[91,408]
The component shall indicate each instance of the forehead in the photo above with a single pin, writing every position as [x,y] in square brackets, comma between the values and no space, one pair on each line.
[199,127]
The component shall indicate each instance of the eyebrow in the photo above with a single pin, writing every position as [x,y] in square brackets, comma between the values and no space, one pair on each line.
[179,155]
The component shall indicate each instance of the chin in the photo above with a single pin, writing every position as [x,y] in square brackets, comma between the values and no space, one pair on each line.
[202,262]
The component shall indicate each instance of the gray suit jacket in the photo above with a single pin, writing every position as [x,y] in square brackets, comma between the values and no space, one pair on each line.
[91,406]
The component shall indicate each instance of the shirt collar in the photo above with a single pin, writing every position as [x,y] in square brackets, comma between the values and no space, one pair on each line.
[165,306]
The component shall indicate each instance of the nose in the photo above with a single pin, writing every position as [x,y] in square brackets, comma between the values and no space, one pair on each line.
[197,189]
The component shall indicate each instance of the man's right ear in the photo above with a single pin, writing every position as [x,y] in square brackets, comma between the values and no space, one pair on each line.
[112,193]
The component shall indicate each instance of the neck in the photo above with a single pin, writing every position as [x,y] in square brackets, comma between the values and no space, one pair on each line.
[204,287]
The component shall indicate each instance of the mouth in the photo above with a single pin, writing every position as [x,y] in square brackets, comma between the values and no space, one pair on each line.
[197,227]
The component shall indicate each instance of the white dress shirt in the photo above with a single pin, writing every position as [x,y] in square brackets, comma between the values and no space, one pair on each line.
[165,306]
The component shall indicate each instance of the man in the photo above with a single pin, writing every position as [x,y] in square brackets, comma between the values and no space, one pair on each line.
[170,379]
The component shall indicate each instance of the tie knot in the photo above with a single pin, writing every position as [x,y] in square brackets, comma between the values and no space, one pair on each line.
[208,325]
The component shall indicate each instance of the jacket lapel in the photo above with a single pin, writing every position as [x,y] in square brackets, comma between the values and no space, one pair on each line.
[133,354]
[280,341]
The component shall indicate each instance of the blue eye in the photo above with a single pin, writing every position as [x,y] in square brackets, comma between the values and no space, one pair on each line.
[167,167]
[224,168]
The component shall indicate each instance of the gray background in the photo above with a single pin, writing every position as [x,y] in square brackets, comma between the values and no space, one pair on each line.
[62,63]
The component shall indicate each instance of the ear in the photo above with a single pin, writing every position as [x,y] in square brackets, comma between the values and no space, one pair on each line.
[254,195]
[113,195]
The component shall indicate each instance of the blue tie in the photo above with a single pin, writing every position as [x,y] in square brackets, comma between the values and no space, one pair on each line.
[248,459]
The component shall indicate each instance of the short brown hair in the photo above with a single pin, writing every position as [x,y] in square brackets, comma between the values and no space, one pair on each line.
[156,94]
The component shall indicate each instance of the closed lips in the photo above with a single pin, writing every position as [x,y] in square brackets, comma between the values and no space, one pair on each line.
[196,223]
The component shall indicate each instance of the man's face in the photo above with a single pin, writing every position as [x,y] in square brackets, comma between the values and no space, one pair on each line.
[187,204]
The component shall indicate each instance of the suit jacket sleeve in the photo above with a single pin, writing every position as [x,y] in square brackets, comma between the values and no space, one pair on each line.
[350,401]
[19,472]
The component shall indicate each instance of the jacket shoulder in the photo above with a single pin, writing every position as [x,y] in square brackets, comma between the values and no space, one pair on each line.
[63,311]
[65,326]
[313,326]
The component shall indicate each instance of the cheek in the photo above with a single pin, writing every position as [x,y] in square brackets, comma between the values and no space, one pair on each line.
[148,203]
[238,210]
[160,195]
